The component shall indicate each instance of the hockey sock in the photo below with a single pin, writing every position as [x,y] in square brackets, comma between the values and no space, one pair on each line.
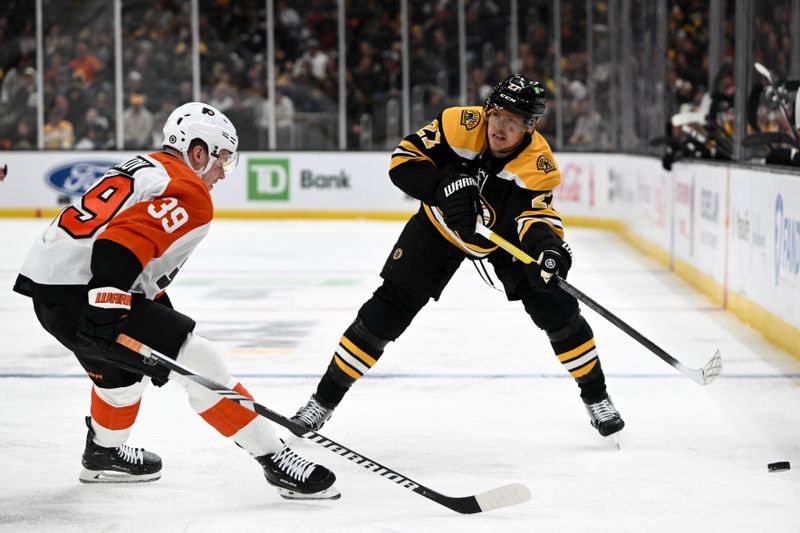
[114,412]
[248,430]
[358,351]
[575,348]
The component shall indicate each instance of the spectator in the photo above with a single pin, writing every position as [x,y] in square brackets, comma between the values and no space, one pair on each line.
[58,132]
[315,59]
[95,135]
[137,124]
[85,64]
[90,140]
[24,139]
[587,126]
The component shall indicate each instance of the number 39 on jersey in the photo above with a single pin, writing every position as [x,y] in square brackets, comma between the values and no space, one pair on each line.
[167,210]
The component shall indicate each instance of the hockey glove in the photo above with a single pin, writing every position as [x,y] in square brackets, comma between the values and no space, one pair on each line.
[103,316]
[555,259]
[458,196]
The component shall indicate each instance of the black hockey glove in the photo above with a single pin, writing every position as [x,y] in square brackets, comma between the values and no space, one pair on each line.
[104,314]
[555,259]
[458,196]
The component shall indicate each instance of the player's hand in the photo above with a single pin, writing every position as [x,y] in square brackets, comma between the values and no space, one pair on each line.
[554,259]
[458,196]
[103,316]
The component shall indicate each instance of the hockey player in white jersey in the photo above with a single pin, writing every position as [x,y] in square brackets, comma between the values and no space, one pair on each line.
[101,269]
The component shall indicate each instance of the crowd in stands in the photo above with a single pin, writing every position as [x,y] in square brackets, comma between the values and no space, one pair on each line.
[79,67]
[17,75]
[692,92]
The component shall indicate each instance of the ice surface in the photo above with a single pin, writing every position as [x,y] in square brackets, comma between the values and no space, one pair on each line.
[468,399]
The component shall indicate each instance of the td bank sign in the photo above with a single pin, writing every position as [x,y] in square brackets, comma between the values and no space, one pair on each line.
[268,179]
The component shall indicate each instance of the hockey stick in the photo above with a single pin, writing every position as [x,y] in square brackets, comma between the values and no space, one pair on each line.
[504,496]
[701,376]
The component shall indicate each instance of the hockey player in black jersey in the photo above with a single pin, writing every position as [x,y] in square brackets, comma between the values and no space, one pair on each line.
[470,161]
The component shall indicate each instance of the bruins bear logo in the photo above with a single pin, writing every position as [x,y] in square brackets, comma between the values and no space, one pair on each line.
[545,164]
[470,118]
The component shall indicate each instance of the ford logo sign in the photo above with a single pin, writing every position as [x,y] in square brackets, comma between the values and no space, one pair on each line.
[76,178]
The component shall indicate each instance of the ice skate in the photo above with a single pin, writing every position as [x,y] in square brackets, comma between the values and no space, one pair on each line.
[123,464]
[298,479]
[314,414]
[605,418]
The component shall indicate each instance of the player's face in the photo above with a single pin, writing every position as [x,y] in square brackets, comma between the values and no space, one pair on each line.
[505,131]
[217,170]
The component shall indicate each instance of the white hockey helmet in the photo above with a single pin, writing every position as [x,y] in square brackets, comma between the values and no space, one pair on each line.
[196,120]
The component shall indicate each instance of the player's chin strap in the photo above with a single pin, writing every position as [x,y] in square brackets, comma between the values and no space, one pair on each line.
[701,376]
[201,172]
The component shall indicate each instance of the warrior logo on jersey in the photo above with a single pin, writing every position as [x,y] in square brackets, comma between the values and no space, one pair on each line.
[545,164]
[470,118]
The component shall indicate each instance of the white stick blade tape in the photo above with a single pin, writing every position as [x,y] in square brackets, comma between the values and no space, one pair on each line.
[503,496]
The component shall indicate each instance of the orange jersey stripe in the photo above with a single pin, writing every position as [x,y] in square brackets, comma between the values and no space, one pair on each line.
[227,416]
[111,417]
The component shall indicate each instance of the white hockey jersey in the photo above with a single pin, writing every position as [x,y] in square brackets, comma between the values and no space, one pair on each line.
[154,205]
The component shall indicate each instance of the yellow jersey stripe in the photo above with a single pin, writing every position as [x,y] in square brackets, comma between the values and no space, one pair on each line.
[407,151]
[471,249]
[527,224]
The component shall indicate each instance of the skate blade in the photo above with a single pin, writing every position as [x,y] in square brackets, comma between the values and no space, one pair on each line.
[110,476]
[331,493]
[614,439]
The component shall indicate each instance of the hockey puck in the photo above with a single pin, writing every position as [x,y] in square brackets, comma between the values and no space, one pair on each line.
[780,466]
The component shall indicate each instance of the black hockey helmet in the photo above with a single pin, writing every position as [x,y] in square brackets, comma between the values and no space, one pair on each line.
[519,95]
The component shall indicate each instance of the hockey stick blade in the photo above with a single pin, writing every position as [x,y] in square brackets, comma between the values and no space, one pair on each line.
[500,497]
[701,376]
[707,373]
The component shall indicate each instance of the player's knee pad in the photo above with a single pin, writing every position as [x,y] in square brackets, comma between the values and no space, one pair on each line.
[576,326]
[202,356]
[390,310]
[121,396]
